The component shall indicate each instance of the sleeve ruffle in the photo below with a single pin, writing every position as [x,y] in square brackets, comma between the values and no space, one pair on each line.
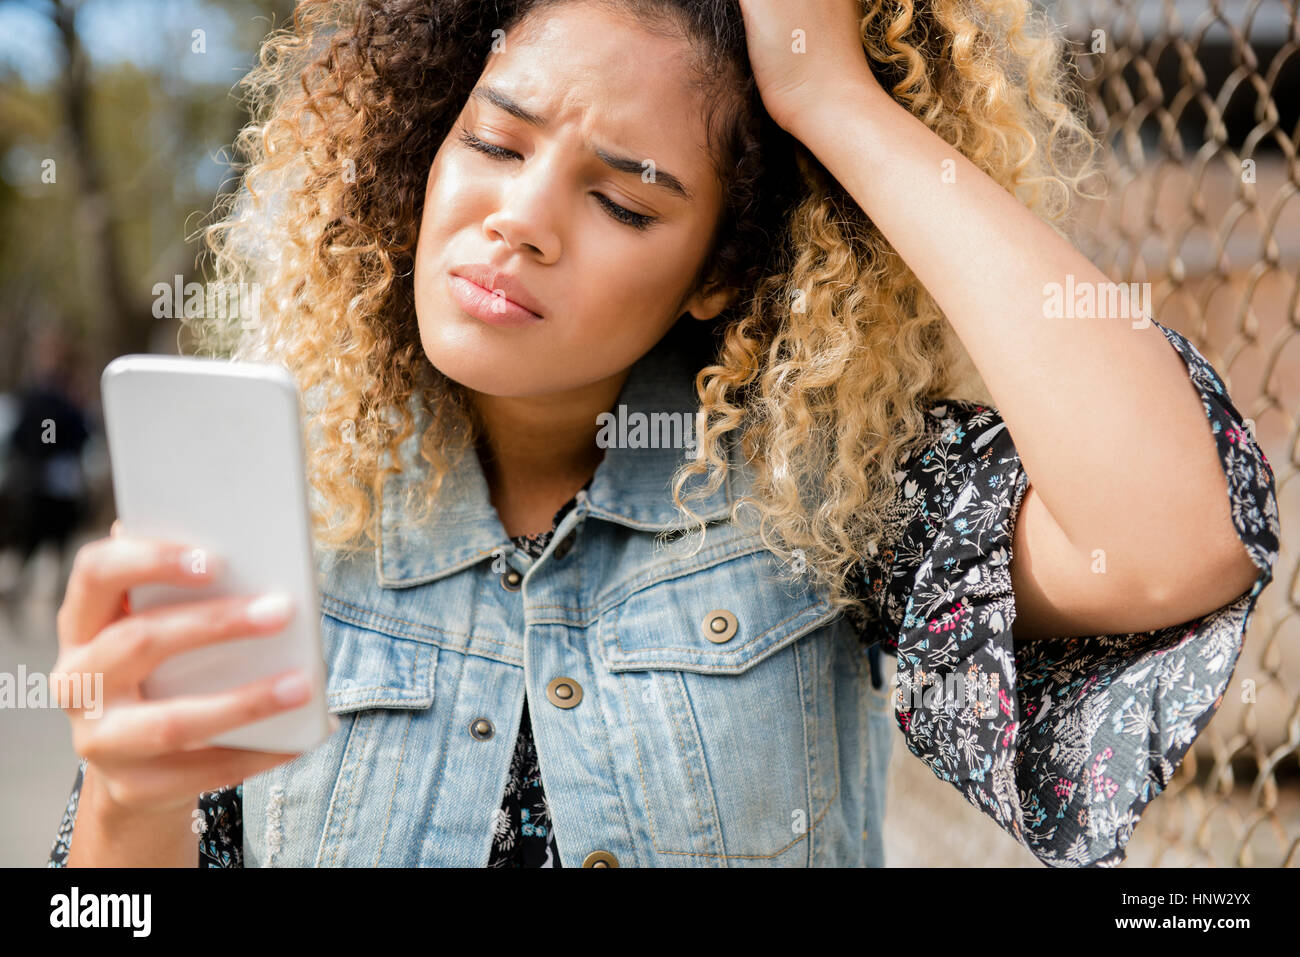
[1063,742]
[221,827]
[63,839]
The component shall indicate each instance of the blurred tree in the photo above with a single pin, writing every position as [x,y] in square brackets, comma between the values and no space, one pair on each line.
[122,321]
[106,169]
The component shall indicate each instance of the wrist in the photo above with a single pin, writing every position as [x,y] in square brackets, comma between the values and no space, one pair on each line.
[819,115]
[109,834]
[111,811]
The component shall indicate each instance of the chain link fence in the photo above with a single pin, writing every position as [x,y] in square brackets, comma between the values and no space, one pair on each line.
[1198,105]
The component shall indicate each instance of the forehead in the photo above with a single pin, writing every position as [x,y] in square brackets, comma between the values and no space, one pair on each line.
[603,76]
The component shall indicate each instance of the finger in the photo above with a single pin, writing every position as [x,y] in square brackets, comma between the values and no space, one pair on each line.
[115,529]
[104,569]
[152,729]
[130,649]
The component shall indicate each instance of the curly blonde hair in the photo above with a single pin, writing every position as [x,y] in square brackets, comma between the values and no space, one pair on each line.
[824,365]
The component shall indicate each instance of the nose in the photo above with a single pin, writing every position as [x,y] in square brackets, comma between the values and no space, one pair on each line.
[526,215]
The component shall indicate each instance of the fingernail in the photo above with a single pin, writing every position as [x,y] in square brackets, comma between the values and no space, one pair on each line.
[292,688]
[269,608]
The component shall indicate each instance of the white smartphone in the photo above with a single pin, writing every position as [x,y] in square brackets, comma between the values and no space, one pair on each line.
[210,452]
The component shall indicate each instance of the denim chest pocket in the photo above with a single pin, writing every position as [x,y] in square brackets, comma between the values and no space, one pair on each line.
[381,685]
[371,669]
[732,680]
[343,804]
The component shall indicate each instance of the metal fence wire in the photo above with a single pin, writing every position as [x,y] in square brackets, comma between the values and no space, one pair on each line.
[1198,104]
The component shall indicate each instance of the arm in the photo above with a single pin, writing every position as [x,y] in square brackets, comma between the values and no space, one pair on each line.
[1114,385]
[106,835]
[1119,391]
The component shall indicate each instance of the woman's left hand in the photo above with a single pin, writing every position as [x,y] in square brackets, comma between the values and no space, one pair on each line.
[802,55]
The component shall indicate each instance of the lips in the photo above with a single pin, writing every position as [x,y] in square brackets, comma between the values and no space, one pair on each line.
[500,283]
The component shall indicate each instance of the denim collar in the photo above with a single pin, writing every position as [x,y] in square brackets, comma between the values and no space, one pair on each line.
[631,486]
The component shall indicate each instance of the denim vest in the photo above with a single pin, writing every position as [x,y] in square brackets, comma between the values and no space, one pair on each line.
[691,705]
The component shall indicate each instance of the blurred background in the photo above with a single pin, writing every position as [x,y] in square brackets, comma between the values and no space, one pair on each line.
[115,123]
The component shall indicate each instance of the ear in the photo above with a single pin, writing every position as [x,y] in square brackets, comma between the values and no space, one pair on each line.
[708,301]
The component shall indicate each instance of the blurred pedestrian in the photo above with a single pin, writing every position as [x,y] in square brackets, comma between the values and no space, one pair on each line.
[45,489]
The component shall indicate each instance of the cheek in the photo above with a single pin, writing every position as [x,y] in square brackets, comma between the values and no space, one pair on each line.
[424,239]
[623,306]
[437,219]
[435,185]
[446,189]
[636,279]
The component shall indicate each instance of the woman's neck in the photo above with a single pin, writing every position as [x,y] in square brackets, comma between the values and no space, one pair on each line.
[537,451]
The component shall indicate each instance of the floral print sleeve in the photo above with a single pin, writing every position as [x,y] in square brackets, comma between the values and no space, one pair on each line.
[1062,741]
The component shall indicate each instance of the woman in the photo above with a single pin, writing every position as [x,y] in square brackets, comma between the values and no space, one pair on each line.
[509,253]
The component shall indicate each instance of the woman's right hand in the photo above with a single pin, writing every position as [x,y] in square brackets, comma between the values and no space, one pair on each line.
[149,755]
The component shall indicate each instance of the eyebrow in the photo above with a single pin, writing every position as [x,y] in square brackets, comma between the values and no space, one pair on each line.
[622,164]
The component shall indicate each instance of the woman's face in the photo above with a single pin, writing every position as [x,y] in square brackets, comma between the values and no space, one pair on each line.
[607,282]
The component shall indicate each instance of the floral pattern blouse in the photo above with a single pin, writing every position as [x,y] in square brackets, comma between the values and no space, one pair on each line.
[1069,738]
[1084,732]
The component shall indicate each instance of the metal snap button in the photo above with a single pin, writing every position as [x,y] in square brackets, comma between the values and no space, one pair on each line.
[719,625]
[564,545]
[510,579]
[563,692]
[481,728]
[600,859]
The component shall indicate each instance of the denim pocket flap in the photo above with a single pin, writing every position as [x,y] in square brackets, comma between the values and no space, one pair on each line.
[720,619]
[369,669]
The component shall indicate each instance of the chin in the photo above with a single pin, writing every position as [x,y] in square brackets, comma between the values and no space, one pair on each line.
[480,367]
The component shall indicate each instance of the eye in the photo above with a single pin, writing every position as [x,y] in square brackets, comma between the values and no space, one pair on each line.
[491,149]
[623,215]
